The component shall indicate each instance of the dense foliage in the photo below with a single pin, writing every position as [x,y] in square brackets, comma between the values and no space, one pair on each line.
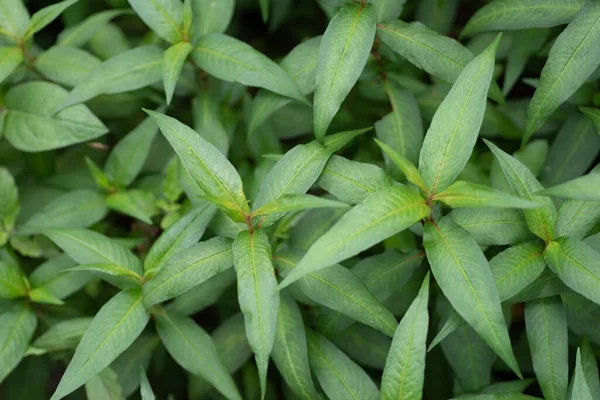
[299,199]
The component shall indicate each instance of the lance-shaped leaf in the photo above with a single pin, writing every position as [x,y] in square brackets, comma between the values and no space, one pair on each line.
[79,34]
[66,65]
[581,389]
[189,268]
[18,325]
[590,368]
[181,235]
[14,19]
[547,335]
[235,61]
[388,10]
[584,188]
[133,69]
[493,226]
[339,376]
[209,169]
[211,17]
[203,295]
[64,335]
[163,16]
[51,278]
[517,267]
[30,125]
[593,114]
[298,170]
[464,275]
[541,220]
[467,194]
[504,15]
[76,209]
[116,275]
[381,215]
[10,59]
[46,15]
[89,247]
[290,353]
[12,281]
[339,289]
[172,64]
[343,53]
[576,218]
[525,45]
[206,112]
[145,389]
[301,65]
[139,204]
[128,363]
[577,265]
[351,181]
[571,61]
[407,167]
[113,330]
[404,371]
[127,158]
[453,131]
[451,324]
[296,202]
[9,203]
[104,386]
[195,351]
[257,295]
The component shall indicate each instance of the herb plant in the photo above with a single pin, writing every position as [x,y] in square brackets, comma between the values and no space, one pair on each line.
[340,204]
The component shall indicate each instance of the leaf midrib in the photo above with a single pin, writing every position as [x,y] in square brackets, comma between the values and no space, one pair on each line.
[332,369]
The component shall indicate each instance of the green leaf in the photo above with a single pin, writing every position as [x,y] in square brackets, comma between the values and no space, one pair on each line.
[189,268]
[290,352]
[209,169]
[407,167]
[66,65]
[163,16]
[593,114]
[211,17]
[89,247]
[208,120]
[296,202]
[576,218]
[590,368]
[64,335]
[381,215]
[113,330]
[45,16]
[547,335]
[584,188]
[540,220]
[138,204]
[43,296]
[404,371]
[388,10]
[466,194]
[116,275]
[145,388]
[339,376]
[526,44]
[577,265]
[453,132]
[257,295]
[13,283]
[9,202]
[264,9]
[498,396]
[509,386]
[14,19]
[493,226]
[10,59]
[130,70]
[502,15]
[517,267]
[203,295]
[339,289]
[195,351]
[343,53]
[352,181]
[172,64]
[581,389]
[30,124]
[235,61]
[464,275]
[570,62]
[104,386]
[76,209]
[18,325]
[78,35]
[453,322]
[298,169]
[51,277]
[136,356]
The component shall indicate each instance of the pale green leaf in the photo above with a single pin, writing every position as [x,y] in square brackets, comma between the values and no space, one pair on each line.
[208,121]
[451,324]
[52,278]
[467,194]
[312,225]
[163,16]
[64,335]
[130,70]
[381,215]
[464,275]
[257,295]
[500,15]
[339,376]
[509,386]
[172,64]
[343,53]
[116,275]
[145,389]
[590,368]
[66,65]
[17,324]
[14,19]
[585,188]
[581,389]
[136,356]
[571,61]
[232,60]
[493,226]
[527,42]
[437,15]
[104,386]
[89,247]
[290,352]
[497,396]
[195,351]
[203,295]
[46,15]
[9,203]
[79,34]
[453,132]
[296,202]
[113,330]
[540,220]
[547,335]
[10,59]
[189,268]
[12,281]
[136,203]
[209,169]
[211,16]
[388,10]
[407,168]
[546,285]
[593,114]
[31,125]
[43,296]
[576,218]
[404,372]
